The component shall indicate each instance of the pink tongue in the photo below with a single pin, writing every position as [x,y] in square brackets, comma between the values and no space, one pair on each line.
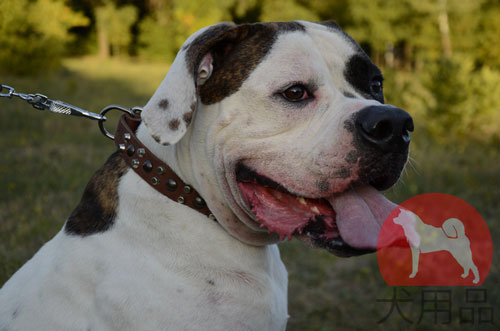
[360,215]
[284,213]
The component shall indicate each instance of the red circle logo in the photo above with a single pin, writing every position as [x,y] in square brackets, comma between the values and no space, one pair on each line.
[434,239]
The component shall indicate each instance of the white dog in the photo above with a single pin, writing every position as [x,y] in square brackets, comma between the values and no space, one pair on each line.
[281,128]
[425,238]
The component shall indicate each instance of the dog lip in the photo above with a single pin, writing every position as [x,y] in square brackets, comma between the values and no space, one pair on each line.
[314,232]
[246,174]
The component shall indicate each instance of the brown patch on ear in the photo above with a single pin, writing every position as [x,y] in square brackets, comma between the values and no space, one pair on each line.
[236,51]
[174,124]
[163,104]
[156,138]
[188,117]
[96,211]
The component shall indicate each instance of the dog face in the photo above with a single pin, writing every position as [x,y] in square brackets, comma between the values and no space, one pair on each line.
[291,137]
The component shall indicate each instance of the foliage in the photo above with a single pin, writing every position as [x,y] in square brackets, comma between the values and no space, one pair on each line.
[113,26]
[33,34]
[456,101]
[163,32]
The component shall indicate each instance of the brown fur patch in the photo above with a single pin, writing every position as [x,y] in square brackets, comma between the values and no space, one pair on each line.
[156,138]
[97,209]
[163,104]
[236,51]
[188,117]
[174,124]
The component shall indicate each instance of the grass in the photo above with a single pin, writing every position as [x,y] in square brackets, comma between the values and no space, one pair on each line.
[47,160]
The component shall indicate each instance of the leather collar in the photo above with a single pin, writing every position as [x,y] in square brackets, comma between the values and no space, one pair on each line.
[154,171]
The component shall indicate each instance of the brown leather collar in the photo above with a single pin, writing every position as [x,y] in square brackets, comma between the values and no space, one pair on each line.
[154,171]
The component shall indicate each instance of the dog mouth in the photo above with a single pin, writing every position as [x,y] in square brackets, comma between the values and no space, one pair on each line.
[345,224]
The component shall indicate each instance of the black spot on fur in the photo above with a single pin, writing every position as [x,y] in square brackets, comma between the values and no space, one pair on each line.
[15,313]
[331,24]
[236,52]
[352,157]
[360,72]
[348,94]
[343,173]
[323,185]
[211,282]
[163,104]
[174,124]
[349,126]
[97,209]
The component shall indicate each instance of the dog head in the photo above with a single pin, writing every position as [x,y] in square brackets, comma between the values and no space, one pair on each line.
[408,221]
[282,128]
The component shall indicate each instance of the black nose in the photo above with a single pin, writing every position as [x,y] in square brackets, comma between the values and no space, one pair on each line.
[384,127]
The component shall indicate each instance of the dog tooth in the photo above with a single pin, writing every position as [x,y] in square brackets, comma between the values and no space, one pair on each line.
[302,201]
[315,209]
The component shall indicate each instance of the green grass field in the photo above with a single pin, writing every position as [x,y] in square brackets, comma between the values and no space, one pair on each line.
[47,159]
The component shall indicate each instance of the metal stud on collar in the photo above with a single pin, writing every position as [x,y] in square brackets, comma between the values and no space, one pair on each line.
[141,152]
[171,185]
[155,181]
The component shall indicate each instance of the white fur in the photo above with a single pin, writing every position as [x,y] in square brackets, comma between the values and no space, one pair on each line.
[146,274]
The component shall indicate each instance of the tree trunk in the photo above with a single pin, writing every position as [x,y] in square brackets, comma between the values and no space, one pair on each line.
[444,29]
[103,43]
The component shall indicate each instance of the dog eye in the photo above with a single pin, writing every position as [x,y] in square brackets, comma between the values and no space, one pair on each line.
[377,86]
[295,93]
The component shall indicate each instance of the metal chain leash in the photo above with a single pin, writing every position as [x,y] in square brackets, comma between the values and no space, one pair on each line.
[41,102]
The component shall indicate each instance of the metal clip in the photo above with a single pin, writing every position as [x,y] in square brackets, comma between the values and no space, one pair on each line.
[105,132]
[39,101]
[9,93]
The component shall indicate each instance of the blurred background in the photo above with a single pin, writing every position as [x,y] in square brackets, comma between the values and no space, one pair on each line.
[440,58]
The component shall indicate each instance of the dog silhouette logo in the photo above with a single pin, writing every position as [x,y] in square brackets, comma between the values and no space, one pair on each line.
[434,239]
[425,238]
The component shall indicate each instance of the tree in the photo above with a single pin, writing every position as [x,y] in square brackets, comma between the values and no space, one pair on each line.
[33,34]
[113,27]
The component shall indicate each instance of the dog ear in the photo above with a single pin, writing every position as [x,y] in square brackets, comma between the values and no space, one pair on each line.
[211,65]
[170,110]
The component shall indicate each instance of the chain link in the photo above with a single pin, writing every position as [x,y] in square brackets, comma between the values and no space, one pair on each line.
[41,102]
